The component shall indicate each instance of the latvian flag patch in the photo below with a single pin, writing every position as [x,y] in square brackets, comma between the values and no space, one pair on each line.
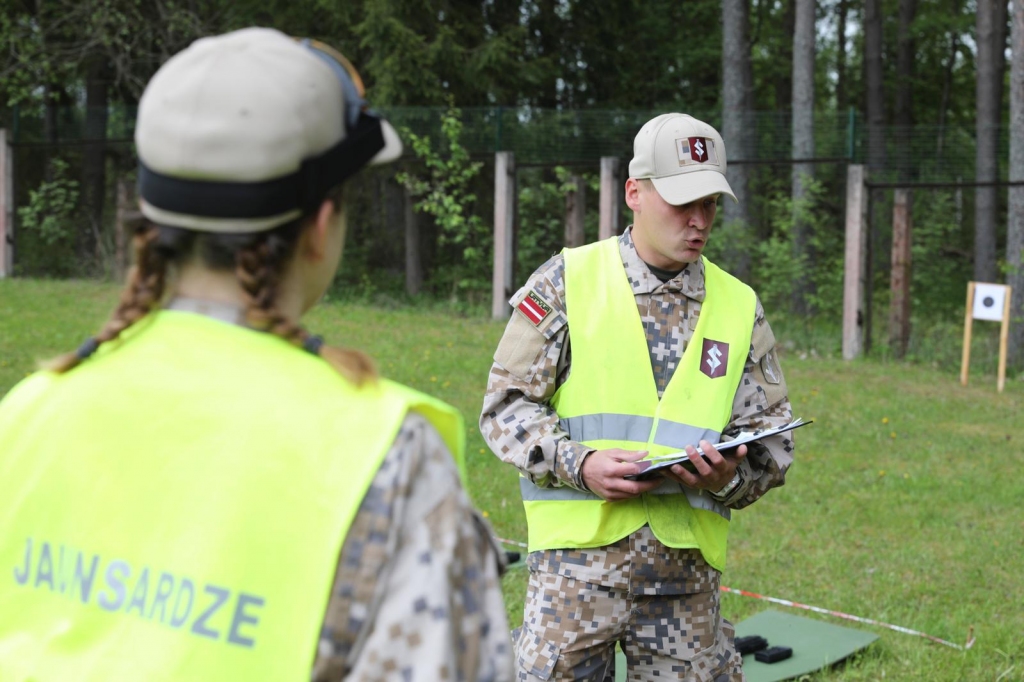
[534,308]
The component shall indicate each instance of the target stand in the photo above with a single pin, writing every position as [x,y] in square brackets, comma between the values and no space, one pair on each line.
[987,302]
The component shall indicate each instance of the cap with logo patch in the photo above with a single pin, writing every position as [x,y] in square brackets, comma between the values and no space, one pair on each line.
[248,130]
[682,156]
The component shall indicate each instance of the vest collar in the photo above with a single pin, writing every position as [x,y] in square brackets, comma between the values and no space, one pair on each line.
[689,282]
[225,312]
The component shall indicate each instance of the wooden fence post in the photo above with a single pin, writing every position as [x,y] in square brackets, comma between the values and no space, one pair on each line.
[413,259]
[899,282]
[611,198]
[127,218]
[855,263]
[504,232]
[575,213]
[6,207]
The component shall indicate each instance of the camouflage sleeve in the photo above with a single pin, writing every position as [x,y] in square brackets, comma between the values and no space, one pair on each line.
[417,593]
[531,361]
[761,402]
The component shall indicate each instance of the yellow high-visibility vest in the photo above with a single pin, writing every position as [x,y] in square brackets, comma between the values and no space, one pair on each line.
[611,401]
[174,508]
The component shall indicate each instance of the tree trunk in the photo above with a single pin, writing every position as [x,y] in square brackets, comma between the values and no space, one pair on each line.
[413,257]
[548,26]
[875,111]
[737,123]
[1015,211]
[784,86]
[842,98]
[55,99]
[94,166]
[988,95]
[875,93]
[803,141]
[904,114]
[1000,31]
[947,82]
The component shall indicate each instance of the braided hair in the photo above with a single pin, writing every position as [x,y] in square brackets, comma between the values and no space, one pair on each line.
[258,259]
[144,289]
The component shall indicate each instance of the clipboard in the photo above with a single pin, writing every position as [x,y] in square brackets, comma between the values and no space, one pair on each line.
[661,462]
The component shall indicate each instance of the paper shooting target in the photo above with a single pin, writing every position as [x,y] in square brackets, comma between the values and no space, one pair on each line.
[989,301]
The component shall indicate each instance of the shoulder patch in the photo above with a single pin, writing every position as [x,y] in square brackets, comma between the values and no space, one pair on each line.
[533,308]
[770,368]
[763,341]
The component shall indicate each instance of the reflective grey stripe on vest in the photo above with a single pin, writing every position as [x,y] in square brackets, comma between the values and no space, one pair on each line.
[534,493]
[628,427]
[676,435]
[607,426]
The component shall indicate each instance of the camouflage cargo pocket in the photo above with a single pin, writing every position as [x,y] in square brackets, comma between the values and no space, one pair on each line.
[534,656]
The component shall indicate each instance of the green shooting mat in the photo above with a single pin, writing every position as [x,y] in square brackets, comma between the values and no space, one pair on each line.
[815,645]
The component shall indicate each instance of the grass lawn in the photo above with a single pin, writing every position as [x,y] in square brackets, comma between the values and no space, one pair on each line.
[903,505]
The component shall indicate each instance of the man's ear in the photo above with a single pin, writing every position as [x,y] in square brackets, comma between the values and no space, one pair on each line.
[315,234]
[633,194]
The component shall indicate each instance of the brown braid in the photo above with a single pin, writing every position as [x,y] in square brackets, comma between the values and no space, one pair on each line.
[258,260]
[258,267]
[143,292]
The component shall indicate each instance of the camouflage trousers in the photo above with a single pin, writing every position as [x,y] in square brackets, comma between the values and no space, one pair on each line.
[570,628]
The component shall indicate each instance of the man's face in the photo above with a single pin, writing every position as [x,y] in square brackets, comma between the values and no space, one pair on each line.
[668,236]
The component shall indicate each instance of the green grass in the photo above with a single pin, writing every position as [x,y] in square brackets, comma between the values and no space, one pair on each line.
[904,504]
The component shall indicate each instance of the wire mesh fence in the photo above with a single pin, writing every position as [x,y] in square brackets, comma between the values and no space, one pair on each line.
[540,138]
[546,136]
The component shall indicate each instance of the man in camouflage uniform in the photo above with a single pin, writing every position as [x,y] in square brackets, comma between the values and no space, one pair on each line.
[659,602]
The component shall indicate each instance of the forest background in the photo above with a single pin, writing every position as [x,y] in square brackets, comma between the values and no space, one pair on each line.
[926,94]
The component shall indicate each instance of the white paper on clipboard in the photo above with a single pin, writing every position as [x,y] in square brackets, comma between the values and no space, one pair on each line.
[665,461]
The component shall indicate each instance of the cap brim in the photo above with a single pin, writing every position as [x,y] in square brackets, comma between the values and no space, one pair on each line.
[392,145]
[686,187]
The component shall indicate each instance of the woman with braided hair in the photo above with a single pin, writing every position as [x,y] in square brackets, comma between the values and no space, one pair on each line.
[206,491]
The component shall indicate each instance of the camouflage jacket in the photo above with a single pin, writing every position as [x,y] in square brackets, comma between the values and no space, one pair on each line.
[534,358]
[417,592]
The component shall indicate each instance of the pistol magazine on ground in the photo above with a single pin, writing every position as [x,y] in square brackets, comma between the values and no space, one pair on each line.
[660,462]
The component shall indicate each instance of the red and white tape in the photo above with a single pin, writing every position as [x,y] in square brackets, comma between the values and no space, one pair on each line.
[513,543]
[827,612]
[840,614]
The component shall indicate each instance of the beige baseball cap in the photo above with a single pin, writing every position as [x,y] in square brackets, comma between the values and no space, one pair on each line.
[246,131]
[683,157]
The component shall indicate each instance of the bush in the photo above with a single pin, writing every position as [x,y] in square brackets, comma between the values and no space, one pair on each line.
[444,193]
[48,223]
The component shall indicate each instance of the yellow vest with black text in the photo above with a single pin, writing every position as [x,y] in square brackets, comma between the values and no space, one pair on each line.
[610,400]
[174,508]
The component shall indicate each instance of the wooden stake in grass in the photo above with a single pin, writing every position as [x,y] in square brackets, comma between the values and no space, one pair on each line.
[987,302]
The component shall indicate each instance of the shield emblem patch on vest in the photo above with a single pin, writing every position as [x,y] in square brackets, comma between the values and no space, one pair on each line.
[714,358]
